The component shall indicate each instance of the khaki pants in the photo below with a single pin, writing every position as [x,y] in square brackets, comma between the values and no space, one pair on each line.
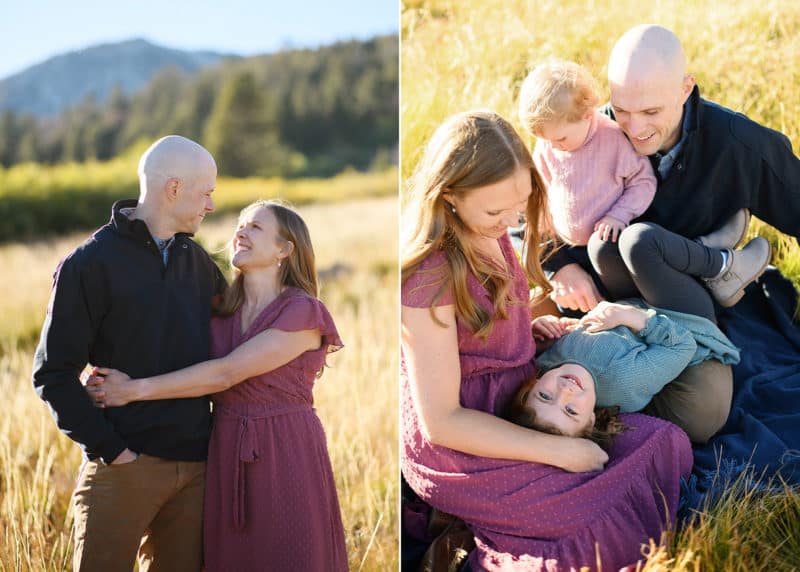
[151,506]
[698,401]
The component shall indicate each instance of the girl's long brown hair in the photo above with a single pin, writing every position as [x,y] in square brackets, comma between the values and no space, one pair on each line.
[469,150]
[298,269]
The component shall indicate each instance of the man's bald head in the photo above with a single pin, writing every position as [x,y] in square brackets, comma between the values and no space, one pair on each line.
[645,53]
[176,179]
[649,86]
[173,157]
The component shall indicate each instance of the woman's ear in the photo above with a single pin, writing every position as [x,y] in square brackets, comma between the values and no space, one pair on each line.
[287,248]
[448,197]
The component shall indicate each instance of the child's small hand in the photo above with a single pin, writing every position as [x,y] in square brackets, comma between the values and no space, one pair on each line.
[609,227]
[547,328]
[607,315]
[569,323]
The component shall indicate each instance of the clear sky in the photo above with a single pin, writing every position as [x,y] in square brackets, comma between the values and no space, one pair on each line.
[33,30]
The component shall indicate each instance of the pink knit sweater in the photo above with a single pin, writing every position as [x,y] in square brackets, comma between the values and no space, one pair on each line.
[604,176]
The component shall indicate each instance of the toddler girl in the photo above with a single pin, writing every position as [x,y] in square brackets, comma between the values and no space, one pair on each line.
[595,180]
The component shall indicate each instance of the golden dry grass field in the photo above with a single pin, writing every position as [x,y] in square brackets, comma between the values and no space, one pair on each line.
[356,398]
[745,54]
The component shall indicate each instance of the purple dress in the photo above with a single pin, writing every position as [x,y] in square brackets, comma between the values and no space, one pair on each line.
[529,516]
[270,501]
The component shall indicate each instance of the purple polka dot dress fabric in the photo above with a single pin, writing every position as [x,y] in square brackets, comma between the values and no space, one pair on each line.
[529,516]
[270,501]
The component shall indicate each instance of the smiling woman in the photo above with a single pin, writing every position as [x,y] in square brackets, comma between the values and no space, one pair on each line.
[469,187]
[267,234]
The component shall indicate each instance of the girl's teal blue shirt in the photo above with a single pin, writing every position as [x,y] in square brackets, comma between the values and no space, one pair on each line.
[629,368]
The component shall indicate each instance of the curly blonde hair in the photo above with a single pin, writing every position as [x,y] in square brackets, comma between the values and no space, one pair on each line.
[556,90]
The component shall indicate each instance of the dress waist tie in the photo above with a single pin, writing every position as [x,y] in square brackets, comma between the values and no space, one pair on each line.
[247,445]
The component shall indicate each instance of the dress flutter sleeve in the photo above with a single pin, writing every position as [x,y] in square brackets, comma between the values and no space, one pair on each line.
[430,284]
[304,312]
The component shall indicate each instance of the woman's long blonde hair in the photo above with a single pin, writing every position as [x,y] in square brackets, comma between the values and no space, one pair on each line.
[469,150]
[298,269]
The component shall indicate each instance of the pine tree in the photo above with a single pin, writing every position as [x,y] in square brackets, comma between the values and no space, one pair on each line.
[240,133]
[8,138]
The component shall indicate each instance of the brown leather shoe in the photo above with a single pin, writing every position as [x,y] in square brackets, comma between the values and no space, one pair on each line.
[730,234]
[744,267]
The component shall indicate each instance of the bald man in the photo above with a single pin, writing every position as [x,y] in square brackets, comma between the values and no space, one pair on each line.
[711,164]
[137,296]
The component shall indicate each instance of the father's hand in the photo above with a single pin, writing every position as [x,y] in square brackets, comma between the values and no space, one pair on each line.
[573,288]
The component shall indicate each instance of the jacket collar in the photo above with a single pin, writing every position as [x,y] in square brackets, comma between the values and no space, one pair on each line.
[136,228]
[696,109]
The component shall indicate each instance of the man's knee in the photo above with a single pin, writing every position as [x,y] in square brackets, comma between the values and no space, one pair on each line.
[698,400]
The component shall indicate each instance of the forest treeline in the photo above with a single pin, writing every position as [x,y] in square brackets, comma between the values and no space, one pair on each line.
[294,113]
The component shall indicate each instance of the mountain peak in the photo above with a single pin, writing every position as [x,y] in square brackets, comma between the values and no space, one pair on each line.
[66,79]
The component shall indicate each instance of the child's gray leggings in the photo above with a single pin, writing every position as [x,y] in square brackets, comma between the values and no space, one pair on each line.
[658,265]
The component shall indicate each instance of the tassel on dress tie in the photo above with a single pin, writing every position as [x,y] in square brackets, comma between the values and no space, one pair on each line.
[247,448]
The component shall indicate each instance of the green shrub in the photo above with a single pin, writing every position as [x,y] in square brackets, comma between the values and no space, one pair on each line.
[37,200]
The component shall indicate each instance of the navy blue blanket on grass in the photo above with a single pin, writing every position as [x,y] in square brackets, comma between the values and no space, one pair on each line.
[763,430]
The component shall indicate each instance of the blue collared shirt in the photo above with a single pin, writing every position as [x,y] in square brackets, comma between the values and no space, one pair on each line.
[667,160]
[163,247]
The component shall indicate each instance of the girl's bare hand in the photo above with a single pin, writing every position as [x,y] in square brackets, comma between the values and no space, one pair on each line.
[607,315]
[547,328]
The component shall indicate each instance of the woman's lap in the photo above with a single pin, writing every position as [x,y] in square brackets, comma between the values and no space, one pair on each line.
[517,508]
